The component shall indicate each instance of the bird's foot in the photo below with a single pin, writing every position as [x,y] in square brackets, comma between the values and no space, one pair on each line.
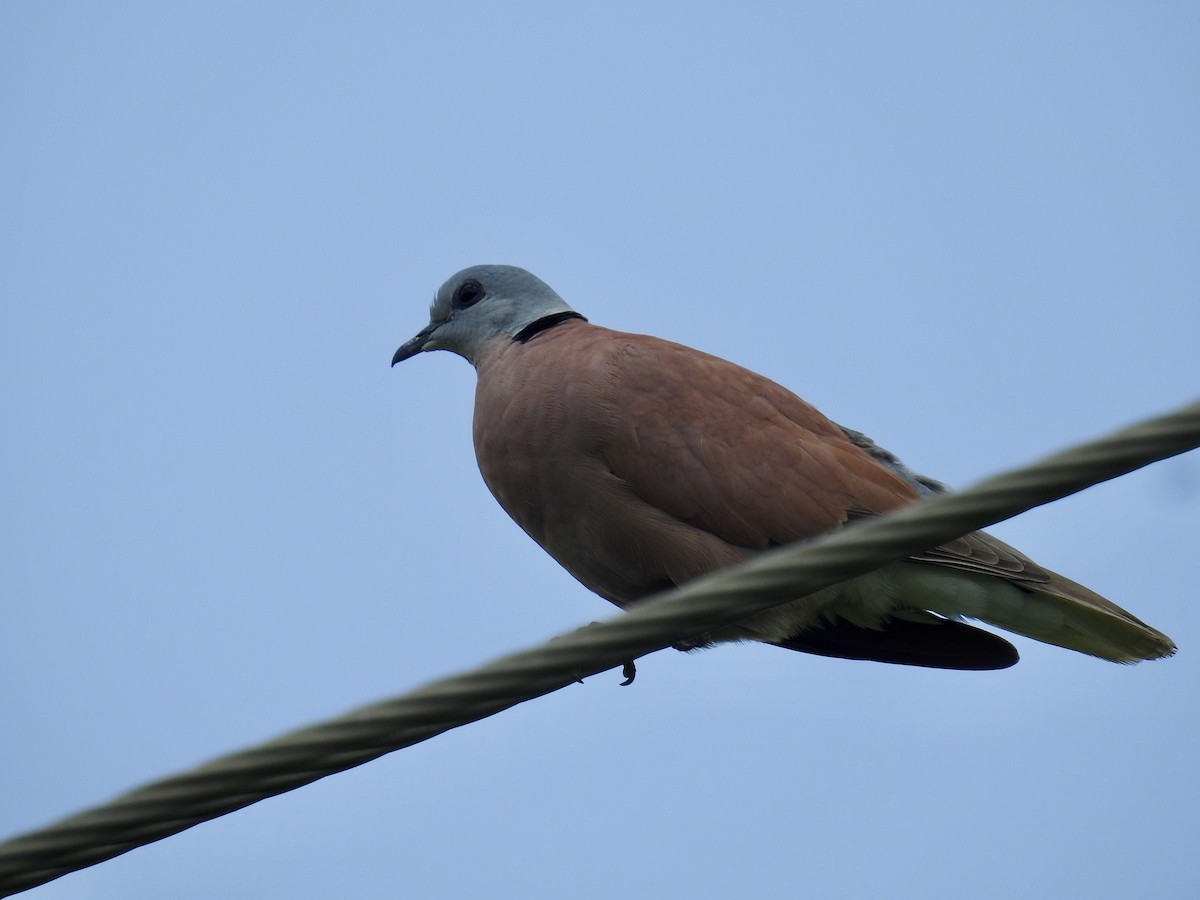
[629,670]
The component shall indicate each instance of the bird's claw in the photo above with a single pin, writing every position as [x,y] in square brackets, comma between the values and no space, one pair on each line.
[629,670]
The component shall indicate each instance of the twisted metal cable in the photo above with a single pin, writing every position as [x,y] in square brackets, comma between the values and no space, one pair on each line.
[231,782]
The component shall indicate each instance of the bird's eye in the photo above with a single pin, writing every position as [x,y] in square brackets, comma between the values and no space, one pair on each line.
[468,294]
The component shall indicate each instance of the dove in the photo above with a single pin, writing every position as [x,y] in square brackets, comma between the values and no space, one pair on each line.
[640,464]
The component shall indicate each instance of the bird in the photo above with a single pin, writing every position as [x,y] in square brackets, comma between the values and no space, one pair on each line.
[640,464]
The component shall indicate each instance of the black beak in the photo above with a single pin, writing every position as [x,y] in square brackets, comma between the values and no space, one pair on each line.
[416,345]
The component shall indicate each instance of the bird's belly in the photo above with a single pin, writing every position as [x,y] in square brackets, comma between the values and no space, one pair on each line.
[611,541]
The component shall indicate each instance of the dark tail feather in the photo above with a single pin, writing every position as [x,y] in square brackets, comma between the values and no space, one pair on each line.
[935,644]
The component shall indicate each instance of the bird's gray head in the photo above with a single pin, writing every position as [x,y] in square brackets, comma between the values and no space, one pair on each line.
[483,303]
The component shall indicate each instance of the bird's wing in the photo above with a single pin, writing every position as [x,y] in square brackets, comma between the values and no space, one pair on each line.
[731,452]
[723,449]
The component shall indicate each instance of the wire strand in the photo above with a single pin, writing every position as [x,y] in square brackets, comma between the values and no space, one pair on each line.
[232,782]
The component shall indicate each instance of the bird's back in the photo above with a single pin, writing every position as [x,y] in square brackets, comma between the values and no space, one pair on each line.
[639,463]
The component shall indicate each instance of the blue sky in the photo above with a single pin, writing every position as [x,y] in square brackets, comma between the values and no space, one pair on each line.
[968,230]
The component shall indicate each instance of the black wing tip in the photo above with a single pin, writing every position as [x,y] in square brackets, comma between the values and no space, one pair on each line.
[933,645]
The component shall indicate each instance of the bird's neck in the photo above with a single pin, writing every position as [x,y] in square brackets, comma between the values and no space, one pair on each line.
[546,322]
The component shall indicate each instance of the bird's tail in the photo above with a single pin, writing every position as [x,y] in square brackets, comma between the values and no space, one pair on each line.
[1055,610]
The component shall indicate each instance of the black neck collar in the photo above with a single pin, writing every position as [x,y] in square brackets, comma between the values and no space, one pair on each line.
[535,328]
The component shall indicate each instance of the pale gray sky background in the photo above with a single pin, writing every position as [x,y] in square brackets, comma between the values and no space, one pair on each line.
[969,230]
